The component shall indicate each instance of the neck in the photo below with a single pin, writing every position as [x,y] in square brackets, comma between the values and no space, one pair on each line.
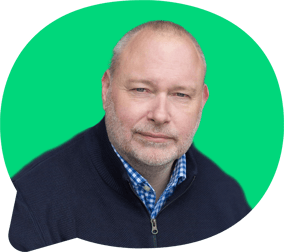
[157,176]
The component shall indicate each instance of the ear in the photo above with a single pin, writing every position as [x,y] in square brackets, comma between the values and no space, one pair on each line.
[205,94]
[105,86]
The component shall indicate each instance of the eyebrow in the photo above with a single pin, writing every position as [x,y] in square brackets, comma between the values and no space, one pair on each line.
[150,83]
[141,81]
[181,88]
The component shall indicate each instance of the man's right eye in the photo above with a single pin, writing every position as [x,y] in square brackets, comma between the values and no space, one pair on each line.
[140,89]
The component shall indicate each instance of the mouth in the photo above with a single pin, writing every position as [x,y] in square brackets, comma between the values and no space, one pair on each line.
[155,137]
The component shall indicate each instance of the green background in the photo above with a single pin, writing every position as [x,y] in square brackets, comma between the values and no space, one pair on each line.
[54,89]
[21,25]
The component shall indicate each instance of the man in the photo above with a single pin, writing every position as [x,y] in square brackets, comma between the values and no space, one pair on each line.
[135,179]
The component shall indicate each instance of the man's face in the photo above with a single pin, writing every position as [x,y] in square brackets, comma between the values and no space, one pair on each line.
[154,102]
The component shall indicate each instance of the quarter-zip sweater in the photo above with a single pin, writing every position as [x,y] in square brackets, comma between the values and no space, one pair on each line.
[81,190]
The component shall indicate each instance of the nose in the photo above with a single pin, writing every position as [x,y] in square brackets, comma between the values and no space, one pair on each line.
[159,110]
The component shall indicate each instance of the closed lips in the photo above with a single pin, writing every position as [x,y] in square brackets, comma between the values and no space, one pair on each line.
[153,135]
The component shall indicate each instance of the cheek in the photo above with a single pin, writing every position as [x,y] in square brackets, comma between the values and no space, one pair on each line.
[128,112]
[185,120]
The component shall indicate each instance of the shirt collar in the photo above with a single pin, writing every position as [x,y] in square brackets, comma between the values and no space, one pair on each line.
[177,177]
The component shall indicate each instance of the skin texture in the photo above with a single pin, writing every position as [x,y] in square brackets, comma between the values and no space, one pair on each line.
[154,102]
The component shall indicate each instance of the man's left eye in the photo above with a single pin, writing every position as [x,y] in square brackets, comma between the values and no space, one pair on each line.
[181,95]
[140,89]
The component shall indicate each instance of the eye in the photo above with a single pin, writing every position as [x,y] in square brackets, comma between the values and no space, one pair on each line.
[181,95]
[141,90]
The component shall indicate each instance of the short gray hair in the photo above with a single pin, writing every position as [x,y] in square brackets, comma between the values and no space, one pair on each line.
[162,26]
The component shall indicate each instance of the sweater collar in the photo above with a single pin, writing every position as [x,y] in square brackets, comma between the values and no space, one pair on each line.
[108,165]
[178,174]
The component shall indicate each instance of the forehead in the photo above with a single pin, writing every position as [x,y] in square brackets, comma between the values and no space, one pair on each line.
[161,57]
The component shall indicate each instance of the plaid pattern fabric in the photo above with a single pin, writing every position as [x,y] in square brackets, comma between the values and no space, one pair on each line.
[145,191]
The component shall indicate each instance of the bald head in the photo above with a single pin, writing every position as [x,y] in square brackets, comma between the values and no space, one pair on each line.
[163,28]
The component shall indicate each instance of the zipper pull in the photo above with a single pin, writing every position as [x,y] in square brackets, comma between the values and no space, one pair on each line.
[154,226]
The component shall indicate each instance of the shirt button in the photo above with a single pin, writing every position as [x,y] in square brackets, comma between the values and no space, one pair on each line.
[147,188]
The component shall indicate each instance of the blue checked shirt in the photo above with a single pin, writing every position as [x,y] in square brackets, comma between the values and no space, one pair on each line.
[146,192]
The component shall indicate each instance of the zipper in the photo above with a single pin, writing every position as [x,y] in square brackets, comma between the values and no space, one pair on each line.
[154,230]
[154,226]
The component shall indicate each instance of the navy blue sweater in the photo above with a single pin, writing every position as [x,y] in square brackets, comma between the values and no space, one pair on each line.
[81,189]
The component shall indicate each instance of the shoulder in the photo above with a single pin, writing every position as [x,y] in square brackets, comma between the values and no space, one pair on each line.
[220,188]
[209,170]
[47,193]
[53,166]
[52,158]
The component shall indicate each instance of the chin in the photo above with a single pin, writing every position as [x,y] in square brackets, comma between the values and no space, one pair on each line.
[155,156]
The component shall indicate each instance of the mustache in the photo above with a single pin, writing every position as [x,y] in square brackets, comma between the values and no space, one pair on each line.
[144,129]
